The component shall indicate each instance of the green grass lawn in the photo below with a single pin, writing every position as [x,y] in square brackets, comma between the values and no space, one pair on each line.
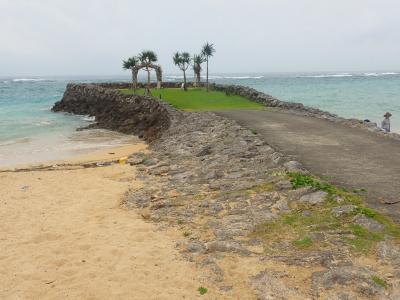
[199,99]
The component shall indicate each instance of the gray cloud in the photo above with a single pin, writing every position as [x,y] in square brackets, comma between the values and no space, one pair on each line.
[74,37]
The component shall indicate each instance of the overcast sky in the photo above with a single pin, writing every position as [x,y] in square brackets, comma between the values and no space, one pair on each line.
[91,37]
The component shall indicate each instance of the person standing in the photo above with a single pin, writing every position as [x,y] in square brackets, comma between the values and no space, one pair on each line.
[386,122]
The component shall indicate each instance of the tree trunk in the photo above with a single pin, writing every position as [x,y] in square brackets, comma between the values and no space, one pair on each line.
[195,79]
[184,81]
[207,74]
[134,80]
[147,92]
[198,78]
[148,78]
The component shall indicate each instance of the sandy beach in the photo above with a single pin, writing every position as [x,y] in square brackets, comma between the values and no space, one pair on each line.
[64,235]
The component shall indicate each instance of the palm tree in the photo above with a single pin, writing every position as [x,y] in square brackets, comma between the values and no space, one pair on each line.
[147,58]
[182,60]
[130,64]
[207,52]
[197,61]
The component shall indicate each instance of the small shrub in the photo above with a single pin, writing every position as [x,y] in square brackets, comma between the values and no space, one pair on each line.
[379,281]
[301,180]
[304,242]
[202,290]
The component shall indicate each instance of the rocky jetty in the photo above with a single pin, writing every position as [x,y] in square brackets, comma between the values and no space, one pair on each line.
[132,114]
[249,216]
[245,221]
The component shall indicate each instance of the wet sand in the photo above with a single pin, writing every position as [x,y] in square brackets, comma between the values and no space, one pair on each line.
[63,235]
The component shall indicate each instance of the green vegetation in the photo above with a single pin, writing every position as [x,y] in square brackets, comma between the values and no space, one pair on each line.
[199,99]
[300,180]
[379,281]
[364,240]
[202,290]
[144,61]
[182,61]
[303,243]
[207,52]
[197,60]
[304,220]
[253,131]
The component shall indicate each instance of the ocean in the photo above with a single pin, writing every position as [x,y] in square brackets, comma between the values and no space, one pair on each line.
[30,132]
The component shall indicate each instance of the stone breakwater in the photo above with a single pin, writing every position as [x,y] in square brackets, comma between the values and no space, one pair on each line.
[229,194]
[299,108]
[218,183]
[131,114]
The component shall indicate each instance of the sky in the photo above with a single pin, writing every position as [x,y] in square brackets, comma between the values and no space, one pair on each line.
[91,37]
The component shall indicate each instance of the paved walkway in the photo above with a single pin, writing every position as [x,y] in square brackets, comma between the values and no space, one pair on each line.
[348,157]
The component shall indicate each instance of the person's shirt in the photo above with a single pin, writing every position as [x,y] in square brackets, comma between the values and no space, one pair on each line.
[386,124]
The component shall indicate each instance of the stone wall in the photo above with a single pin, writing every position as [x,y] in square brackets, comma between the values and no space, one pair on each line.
[128,85]
[131,114]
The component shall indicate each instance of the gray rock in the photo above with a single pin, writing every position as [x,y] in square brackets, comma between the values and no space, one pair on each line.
[196,247]
[284,185]
[343,210]
[352,279]
[293,166]
[226,246]
[280,206]
[370,224]
[389,252]
[269,285]
[317,197]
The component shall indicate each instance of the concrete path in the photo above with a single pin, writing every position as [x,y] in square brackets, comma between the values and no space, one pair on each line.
[348,157]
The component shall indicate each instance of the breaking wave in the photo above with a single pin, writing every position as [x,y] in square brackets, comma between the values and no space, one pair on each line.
[327,75]
[29,79]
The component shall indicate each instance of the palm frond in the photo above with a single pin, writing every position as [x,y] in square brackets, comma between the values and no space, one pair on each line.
[208,50]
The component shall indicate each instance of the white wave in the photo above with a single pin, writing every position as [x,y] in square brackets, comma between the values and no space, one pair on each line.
[41,123]
[327,75]
[371,74]
[17,141]
[244,77]
[45,108]
[28,79]
[389,73]
[178,76]
[89,119]
[6,81]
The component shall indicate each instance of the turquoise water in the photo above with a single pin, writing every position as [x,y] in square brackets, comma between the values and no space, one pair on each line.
[30,132]
[29,128]
[350,95]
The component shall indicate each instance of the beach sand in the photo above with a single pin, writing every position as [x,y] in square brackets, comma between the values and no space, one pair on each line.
[63,235]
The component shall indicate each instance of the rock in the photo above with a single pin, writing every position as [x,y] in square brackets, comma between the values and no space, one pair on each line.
[314,198]
[268,286]
[196,247]
[225,246]
[280,206]
[159,171]
[352,279]
[370,224]
[205,151]
[284,185]
[294,166]
[132,114]
[388,252]
[339,211]
[135,160]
